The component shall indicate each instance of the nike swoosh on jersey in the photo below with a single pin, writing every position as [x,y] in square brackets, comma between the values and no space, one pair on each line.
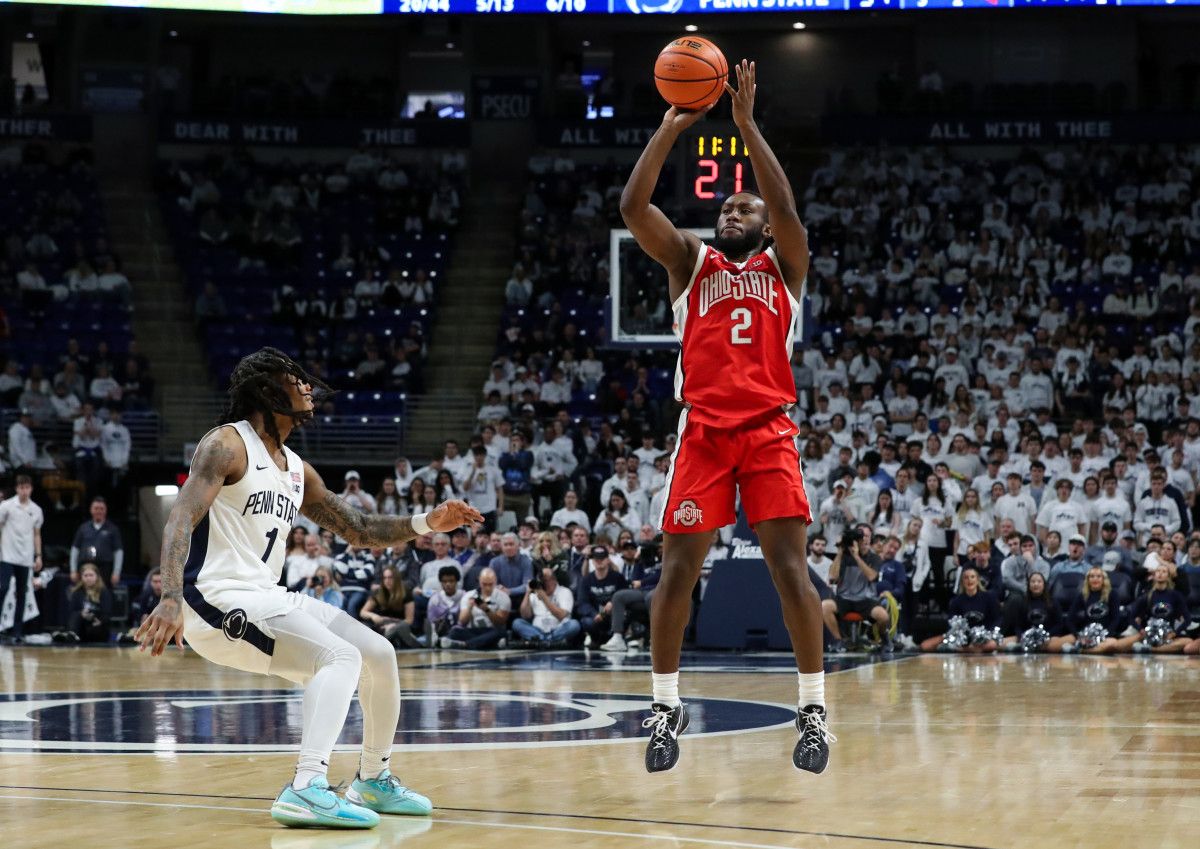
[260,468]
[784,432]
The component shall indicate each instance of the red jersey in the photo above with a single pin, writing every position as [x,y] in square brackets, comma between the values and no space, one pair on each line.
[736,325]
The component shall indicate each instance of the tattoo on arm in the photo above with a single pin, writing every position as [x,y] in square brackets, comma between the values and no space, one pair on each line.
[334,514]
[209,468]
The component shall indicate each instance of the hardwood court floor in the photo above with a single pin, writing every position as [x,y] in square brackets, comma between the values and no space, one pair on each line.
[108,748]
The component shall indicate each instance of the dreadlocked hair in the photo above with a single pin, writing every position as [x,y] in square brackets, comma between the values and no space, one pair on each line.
[255,387]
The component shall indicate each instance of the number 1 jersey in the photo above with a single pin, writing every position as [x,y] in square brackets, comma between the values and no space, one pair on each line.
[736,325]
[241,542]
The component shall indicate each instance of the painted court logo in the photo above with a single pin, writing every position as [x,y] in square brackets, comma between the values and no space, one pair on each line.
[269,721]
[688,514]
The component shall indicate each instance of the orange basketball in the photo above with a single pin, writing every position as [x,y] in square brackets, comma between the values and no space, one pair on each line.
[690,72]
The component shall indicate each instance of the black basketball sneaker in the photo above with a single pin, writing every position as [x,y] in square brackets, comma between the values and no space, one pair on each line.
[812,749]
[666,724]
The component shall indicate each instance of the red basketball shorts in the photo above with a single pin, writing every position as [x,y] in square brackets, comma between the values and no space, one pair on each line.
[710,464]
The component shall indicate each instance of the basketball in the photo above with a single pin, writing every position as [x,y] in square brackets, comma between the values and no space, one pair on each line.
[690,72]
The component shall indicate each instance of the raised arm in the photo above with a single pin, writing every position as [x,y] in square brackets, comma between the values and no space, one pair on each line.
[673,249]
[791,239]
[370,531]
[220,457]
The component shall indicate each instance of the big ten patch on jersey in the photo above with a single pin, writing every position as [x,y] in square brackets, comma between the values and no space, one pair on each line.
[270,502]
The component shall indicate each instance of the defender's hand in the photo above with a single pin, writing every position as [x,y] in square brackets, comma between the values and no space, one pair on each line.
[677,120]
[452,514]
[161,627]
[743,95]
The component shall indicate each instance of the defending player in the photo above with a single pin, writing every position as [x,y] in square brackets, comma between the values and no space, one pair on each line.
[222,554]
[736,303]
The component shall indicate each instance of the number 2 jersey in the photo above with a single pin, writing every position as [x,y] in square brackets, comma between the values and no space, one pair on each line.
[736,323]
[241,542]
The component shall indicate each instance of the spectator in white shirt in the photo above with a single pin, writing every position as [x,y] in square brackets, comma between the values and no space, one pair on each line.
[952,371]
[1062,514]
[1157,508]
[114,284]
[569,512]
[115,443]
[483,486]
[298,568]
[354,495]
[556,392]
[104,391]
[22,449]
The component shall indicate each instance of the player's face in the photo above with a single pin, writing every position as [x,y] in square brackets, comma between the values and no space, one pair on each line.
[299,393]
[742,225]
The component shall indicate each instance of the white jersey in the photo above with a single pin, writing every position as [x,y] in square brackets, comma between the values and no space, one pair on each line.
[240,543]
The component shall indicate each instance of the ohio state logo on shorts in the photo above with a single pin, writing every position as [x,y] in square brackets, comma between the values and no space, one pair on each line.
[688,514]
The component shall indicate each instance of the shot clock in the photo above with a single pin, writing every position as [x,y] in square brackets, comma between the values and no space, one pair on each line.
[714,164]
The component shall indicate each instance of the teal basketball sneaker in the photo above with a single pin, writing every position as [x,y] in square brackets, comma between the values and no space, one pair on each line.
[317,806]
[386,795]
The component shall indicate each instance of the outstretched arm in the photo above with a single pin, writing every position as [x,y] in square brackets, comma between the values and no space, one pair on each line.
[657,236]
[219,457]
[332,513]
[791,239]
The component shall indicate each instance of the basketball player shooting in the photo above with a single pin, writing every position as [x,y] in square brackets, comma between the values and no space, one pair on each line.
[222,555]
[736,303]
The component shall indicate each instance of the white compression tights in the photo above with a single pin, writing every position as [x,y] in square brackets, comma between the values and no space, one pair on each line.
[330,661]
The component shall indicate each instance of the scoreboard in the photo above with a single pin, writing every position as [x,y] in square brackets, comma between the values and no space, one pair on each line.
[586,7]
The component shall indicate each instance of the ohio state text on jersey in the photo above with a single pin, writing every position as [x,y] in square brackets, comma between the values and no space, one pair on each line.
[736,323]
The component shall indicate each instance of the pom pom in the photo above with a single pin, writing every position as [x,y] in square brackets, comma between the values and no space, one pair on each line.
[1092,635]
[980,635]
[1034,639]
[957,634]
[1157,631]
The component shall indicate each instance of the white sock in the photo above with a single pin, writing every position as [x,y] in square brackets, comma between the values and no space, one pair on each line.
[666,688]
[372,764]
[812,688]
[309,768]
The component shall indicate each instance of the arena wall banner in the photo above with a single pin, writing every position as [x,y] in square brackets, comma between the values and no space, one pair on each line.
[505,98]
[196,130]
[594,134]
[1007,130]
[76,128]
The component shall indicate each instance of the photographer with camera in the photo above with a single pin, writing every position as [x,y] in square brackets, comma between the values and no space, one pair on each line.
[323,587]
[482,616]
[854,574]
[546,613]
